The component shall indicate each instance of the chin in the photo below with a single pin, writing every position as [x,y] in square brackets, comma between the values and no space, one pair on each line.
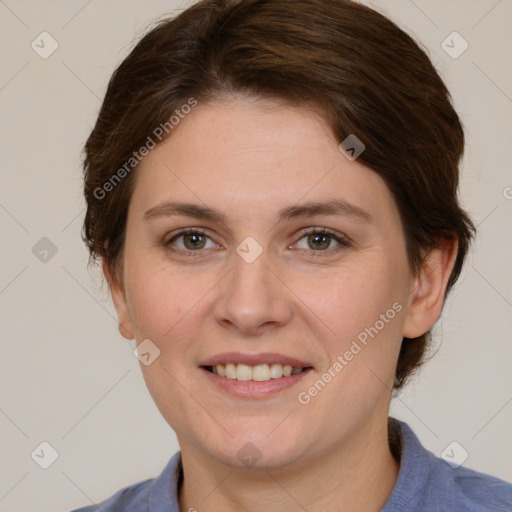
[246,450]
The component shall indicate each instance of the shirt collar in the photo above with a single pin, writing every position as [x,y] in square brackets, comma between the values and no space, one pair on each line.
[411,478]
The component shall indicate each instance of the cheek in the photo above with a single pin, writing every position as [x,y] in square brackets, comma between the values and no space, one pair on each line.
[362,307]
[171,309]
[351,298]
[158,298]
[167,309]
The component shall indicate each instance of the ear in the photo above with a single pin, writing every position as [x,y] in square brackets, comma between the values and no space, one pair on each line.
[429,288]
[119,299]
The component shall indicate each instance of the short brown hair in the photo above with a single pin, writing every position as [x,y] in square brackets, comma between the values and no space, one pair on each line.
[359,70]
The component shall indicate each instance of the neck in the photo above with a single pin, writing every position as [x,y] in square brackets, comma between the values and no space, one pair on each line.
[358,475]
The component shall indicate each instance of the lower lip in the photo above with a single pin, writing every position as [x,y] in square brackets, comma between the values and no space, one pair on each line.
[253,388]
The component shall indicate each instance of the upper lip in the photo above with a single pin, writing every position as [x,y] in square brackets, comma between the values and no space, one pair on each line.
[254,359]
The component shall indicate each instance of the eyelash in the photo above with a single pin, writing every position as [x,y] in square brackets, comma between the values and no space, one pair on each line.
[343,242]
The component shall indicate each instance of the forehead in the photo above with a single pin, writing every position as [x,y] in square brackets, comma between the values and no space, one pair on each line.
[246,157]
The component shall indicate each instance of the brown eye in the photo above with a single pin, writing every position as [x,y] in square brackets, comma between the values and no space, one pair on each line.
[194,241]
[190,241]
[320,241]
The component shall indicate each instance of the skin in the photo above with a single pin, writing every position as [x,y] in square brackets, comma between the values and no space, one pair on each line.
[250,159]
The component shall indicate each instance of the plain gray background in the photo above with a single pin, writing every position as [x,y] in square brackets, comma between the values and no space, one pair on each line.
[68,377]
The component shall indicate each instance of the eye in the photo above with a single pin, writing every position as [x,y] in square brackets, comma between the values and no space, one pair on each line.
[193,240]
[319,240]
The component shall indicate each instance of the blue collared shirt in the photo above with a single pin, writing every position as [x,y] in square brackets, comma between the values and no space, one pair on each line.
[425,483]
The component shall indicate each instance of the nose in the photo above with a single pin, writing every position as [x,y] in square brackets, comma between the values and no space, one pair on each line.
[253,298]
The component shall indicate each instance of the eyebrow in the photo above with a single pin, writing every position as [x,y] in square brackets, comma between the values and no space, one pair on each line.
[328,207]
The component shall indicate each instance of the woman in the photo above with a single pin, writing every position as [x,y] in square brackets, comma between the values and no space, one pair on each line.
[271,187]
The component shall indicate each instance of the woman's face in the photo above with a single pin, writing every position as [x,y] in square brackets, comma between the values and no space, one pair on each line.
[257,286]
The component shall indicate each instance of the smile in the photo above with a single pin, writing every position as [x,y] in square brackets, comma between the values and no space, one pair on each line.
[259,372]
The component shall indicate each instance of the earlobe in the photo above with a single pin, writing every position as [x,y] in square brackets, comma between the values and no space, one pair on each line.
[118,294]
[429,289]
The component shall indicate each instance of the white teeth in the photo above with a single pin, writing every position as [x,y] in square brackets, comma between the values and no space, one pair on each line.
[243,372]
[276,371]
[287,370]
[230,370]
[260,372]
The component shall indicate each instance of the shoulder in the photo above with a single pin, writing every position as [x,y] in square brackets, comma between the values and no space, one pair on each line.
[429,484]
[152,495]
[129,499]
[464,489]
[480,489]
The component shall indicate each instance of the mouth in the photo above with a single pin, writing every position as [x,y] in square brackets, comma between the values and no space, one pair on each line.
[254,375]
[259,373]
